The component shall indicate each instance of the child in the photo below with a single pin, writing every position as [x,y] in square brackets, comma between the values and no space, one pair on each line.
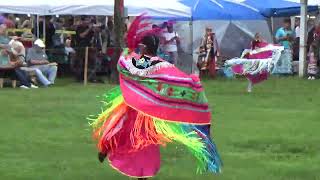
[312,67]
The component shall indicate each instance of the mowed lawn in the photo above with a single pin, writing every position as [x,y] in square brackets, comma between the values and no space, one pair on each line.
[271,134]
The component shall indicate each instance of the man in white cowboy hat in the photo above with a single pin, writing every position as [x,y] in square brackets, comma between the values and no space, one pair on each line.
[37,58]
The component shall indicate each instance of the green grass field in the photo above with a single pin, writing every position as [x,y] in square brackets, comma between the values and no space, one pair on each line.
[271,134]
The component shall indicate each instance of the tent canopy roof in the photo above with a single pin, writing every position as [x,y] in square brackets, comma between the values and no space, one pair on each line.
[167,8]
[221,10]
[281,8]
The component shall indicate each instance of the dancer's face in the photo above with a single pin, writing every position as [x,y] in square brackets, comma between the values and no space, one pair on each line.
[142,48]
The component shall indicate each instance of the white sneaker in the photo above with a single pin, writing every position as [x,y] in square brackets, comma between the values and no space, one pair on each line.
[313,78]
[34,86]
[309,78]
[24,87]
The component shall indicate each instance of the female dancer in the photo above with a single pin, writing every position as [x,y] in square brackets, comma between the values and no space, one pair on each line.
[155,104]
[256,63]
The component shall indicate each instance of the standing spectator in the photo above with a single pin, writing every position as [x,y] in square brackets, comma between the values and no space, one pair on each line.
[97,38]
[285,37]
[314,54]
[171,40]
[296,40]
[11,21]
[84,34]
[110,32]
[160,52]
[35,29]
[37,58]
[27,25]
[209,51]
[164,26]
[57,38]
[297,28]
[96,53]
[311,36]
[50,32]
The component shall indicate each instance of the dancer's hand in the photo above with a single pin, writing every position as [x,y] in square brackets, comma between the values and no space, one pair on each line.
[101,156]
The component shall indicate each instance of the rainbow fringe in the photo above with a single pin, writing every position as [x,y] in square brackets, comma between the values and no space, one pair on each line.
[150,130]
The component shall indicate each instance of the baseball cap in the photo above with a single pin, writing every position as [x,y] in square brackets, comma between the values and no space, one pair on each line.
[39,43]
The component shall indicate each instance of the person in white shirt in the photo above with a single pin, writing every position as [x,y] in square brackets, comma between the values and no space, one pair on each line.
[171,40]
[297,28]
[296,40]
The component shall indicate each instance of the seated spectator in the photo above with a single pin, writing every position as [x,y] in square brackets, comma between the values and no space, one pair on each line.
[37,58]
[4,40]
[6,70]
[17,60]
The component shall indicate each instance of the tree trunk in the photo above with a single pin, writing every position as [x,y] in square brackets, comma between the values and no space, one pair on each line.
[118,32]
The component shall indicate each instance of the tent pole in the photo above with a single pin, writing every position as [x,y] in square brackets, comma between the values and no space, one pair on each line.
[303,38]
[85,71]
[191,37]
[38,34]
[44,29]
[272,28]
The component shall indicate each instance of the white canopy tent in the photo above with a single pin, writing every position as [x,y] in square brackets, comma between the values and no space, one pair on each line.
[39,7]
[167,8]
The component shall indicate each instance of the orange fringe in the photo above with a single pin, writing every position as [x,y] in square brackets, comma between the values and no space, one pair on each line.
[112,120]
[116,115]
[144,133]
